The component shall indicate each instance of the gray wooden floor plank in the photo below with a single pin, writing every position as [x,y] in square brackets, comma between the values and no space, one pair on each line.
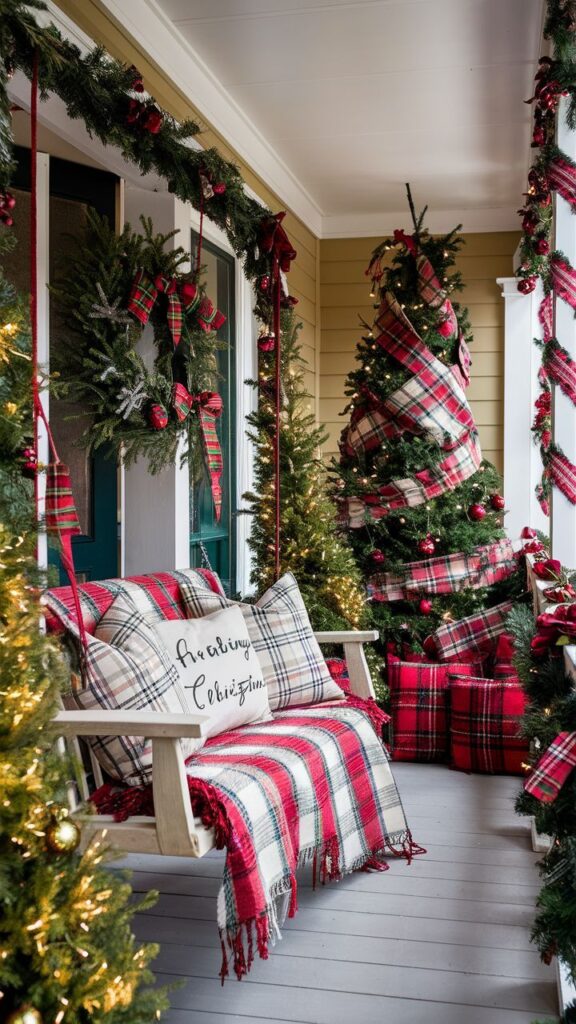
[444,940]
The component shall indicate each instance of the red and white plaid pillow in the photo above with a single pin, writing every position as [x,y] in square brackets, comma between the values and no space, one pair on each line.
[127,668]
[419,705]
[485,719]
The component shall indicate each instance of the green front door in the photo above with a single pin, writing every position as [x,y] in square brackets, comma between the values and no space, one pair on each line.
[213,543]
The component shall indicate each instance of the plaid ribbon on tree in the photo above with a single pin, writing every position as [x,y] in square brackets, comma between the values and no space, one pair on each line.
[209,407]
[561,175]
[553,768]
[448,574]
[433,294]
[560,368]
[457,467]
[470,635]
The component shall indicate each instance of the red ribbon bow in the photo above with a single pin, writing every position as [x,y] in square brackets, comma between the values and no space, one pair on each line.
[273,239]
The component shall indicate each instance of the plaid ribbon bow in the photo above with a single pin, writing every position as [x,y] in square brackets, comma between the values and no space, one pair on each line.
[553,768]
[180,295]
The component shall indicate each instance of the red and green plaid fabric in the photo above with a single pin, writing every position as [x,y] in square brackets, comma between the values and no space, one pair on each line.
[209,318]
[157,595]
[433,294]
[474,634]
[212,453]
[419,706]
[553,768]
[142,296]
[485,716]
[60,516]
[448,574]
[182,401]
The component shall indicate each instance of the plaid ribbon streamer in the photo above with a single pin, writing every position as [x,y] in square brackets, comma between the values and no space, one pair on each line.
[561,368]
[209,408]
[470,635]
[145,292]
[563,279]
[562,472]
[448,574]
[61,520]
[546,317]
[182,401]
[553,768]
[561,176]
[433,294]
[459,465]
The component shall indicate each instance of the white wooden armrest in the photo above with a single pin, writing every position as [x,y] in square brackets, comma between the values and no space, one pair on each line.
[353,641]
[151,724]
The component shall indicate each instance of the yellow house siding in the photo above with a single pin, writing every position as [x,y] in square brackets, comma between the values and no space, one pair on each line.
[97,22]
[344,291]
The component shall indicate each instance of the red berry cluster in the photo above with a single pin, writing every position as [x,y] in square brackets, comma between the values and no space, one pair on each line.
[7,204]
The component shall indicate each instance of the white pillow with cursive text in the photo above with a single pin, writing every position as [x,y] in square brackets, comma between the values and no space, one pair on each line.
[218,668]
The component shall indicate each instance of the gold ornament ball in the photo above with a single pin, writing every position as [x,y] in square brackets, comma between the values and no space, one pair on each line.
[62,836]
[25,1015]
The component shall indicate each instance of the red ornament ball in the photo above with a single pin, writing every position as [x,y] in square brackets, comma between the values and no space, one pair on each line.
[266,342]
[497,502]
[425,606]
[444,329]
[219,189]
[527,284]
[152,121]
[541,246]
[158,417]
[264,283]
[29,463]
[377,557]
[426,546]
[477,511]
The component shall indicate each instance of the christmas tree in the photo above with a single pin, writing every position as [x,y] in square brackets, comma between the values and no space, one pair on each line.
[310,546]
[411,484]
[67,954]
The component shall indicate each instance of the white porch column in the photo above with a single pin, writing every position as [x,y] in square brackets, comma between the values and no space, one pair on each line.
[155,514]
[522,462]
[564,417]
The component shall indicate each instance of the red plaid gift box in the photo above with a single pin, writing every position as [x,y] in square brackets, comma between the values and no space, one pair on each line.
[485,725]
[475,634]
[418,698]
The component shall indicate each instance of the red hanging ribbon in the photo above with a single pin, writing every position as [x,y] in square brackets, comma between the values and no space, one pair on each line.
[273,240]
[34,263]
[209,408]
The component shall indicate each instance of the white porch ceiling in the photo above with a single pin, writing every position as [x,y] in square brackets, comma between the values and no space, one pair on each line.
[355,97]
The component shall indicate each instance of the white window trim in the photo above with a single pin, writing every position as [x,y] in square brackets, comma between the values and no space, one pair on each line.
[246,397]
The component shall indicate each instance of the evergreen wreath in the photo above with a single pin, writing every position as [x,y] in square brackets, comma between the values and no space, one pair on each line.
[109,288]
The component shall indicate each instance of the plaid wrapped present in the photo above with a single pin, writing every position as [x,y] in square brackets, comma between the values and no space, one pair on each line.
[419,706]
[475,634]
[485,717]
[448,574]
[553,768]
[312,787]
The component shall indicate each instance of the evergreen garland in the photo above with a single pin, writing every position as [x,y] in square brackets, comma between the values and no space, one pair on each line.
[108,97]
[66,947]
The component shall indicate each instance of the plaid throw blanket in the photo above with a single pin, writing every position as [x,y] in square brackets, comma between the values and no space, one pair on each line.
[553,768]
[448,574]
[313,786]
